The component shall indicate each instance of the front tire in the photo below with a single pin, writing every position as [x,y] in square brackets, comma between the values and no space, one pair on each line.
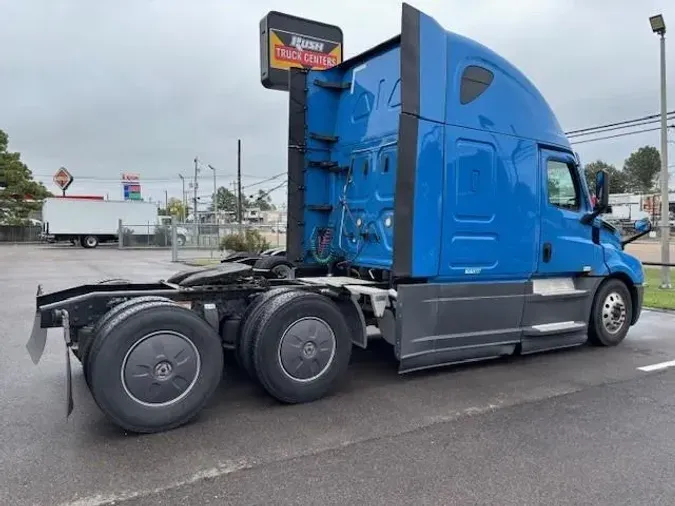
[154,367]
[611,314]
[301,347]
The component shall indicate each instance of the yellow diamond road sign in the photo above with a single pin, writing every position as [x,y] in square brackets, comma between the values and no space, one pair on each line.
[63,179]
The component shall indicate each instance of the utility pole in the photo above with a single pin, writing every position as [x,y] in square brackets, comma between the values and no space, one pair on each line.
[215,191]
[239,206]
[195,199]
[166,201]
[182,198]
[659,27]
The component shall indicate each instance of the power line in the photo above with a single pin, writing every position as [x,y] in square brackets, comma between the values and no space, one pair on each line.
[625,122]
[624,134]
[150,179]
[277,176]
[648,122]
[265,194]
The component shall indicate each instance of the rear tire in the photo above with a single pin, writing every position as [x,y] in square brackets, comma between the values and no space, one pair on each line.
[89,241]
[301,347]
[249,319]
[611,314]
[179,355]
[85,345]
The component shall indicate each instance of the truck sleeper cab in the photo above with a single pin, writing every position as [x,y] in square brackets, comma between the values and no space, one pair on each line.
[435,162]
[432,193]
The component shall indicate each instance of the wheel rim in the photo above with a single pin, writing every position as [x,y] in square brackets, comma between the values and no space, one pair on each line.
[307,349]
[160,369]
[91,241]
[282,271]
[614,313]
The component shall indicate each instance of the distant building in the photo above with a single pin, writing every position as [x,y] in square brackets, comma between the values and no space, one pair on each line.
[274,217]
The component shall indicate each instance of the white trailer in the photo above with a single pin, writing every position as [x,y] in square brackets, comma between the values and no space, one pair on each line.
[90,222]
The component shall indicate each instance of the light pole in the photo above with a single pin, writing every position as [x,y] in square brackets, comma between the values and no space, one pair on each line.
[196,186]
[659,27]
[215,206]
[182,199]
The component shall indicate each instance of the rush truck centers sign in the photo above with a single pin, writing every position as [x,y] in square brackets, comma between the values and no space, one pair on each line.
[294,50]
[290,41]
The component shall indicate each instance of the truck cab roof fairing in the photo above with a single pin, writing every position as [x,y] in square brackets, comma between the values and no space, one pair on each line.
[437,72]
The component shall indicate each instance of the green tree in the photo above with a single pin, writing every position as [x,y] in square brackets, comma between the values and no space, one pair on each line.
[226,200]
[175,207]
[618,181]
[642,169]
[20,194]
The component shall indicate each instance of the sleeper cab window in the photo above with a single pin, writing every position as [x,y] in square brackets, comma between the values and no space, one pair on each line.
[563,191]
[475,80]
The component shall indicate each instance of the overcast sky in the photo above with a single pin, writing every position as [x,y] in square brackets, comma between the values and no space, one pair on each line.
[143,86]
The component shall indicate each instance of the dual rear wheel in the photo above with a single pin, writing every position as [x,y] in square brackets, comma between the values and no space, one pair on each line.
[153,365]
[295,344]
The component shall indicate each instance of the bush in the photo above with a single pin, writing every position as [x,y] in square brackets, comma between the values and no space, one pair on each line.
[251,241]
[162,236]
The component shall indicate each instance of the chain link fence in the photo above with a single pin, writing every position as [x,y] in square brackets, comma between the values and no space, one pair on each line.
[207,242]
[10,234]
[143,235]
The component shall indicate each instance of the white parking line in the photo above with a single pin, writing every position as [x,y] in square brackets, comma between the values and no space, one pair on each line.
[656,367]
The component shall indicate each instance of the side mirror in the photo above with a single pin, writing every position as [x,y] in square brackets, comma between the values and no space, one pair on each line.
[601,191]
[643,225]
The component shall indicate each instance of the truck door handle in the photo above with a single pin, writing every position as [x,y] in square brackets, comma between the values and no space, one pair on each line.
[548,250]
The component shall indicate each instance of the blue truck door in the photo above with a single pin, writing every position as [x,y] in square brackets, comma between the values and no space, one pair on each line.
[566,244]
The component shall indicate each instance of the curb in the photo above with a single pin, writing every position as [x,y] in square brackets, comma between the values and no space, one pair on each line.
[659,310]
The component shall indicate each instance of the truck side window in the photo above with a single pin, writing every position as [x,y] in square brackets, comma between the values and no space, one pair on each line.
[562,188]
[475,80]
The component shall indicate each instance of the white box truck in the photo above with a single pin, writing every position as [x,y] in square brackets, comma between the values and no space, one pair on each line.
[89,222]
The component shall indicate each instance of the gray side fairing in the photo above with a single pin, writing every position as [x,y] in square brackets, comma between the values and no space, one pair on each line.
[542,309]
[440,324]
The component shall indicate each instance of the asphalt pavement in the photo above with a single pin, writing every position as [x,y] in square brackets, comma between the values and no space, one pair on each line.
[583,426]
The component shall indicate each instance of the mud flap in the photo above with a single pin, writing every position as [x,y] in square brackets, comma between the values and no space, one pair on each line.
[65,318]
[69,383]
[36,347]
[37,341]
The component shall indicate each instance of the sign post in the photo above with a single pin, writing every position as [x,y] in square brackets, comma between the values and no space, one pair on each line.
[63,179]
[289,41]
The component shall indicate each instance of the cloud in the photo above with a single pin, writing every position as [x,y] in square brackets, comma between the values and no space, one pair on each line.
[145,85]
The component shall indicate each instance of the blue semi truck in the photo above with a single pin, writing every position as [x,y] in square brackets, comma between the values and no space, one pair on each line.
[432,193]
